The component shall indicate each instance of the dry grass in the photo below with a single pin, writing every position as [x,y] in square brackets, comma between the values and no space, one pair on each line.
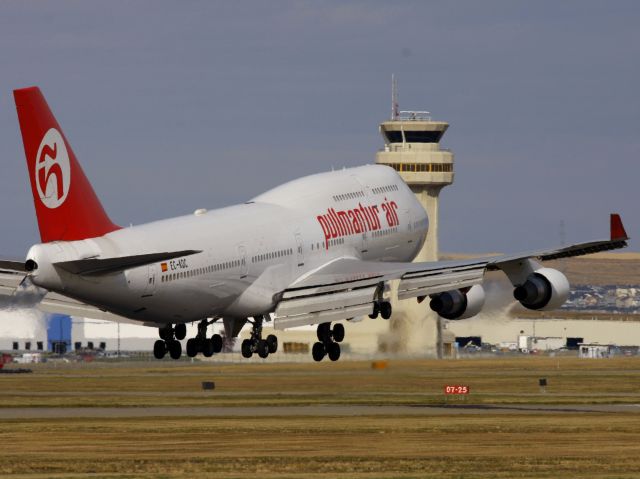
[514,380]
[547,445]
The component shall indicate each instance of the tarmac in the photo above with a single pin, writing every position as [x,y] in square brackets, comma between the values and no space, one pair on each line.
[316,410]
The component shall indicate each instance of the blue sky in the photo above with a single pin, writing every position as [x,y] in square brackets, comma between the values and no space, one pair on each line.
[173,106]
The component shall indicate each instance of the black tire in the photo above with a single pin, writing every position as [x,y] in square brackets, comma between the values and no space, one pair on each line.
[272,341]
[376,311]
[385,310]
[159,349]
[217,341]
[192,347]
[324,332]
[180,331]
[166,333]
[338,332]
[207,348]
[333,349]
[247,350]
[263,349]
[318,351]
[175,349]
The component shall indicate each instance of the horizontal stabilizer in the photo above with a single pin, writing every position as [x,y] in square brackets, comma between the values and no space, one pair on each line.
[7,265]
[120,263]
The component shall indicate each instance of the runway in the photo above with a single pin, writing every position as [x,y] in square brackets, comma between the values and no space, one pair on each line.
[316,410]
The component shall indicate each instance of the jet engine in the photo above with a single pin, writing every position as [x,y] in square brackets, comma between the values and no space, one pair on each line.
[544,289]
[458,303]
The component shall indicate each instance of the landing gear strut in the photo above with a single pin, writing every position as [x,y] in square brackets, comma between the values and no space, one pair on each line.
[202,344]
[256,344]
[168,342]
[328,340]
[380,305]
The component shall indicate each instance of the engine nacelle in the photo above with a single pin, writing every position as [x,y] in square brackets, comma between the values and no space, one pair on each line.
[544,289]
[457,304]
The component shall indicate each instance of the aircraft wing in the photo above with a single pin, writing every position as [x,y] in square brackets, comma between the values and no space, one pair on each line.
[347,287]
[9,279]
[15,292]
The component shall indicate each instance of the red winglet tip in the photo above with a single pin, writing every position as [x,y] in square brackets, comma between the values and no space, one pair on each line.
[617,228]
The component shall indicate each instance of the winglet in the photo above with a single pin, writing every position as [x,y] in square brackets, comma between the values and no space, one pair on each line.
[617,228]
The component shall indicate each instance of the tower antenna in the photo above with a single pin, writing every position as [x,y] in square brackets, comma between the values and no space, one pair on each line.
[394,98]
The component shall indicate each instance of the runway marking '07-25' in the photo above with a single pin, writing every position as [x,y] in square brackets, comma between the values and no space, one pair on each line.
[456,389]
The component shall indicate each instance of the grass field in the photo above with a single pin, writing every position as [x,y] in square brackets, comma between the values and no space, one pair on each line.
[520,444]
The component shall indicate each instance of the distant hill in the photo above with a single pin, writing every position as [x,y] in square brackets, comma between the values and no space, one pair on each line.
[598,269]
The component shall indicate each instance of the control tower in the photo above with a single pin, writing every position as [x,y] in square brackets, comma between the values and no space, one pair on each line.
[412,148]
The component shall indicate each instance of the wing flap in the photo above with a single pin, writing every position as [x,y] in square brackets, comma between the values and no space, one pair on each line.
[417,284]
[323,308]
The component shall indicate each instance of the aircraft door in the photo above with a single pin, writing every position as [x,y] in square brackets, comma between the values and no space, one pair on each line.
[142,280]
[299,249]
[367,197]
[150,287]
[244,264]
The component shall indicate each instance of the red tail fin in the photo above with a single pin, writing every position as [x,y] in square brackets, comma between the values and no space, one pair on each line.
[66,205]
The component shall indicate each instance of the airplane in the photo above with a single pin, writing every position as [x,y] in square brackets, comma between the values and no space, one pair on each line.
[313,251]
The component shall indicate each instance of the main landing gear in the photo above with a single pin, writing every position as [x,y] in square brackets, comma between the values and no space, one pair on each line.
[170,337]
[169,341]
[382,308]
[328,340]
[256,344]
[202,344]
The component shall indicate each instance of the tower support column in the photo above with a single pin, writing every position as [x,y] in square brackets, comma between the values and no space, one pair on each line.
[412,148]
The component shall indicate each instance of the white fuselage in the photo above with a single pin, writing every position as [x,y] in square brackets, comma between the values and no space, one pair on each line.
[249,252]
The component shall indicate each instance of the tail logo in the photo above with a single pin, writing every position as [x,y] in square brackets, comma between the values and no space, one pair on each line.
[53,173]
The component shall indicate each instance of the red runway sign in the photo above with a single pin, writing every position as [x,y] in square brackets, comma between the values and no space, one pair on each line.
[456,389]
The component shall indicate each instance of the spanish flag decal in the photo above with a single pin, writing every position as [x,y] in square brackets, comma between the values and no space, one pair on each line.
[163,267]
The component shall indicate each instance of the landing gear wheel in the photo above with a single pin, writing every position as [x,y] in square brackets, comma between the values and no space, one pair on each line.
[376,311]
[338,333]
[385,310]
[324,332]
[334,351]
[180,331]
[216,340]
[175,349]
[247,351]
[272,341]
[318,351]
[192,347]
[207,348]
[159,349]
[263,349]
[166,333]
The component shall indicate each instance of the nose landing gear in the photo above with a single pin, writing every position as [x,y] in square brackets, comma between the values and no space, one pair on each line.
[255,344]
[328,340]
